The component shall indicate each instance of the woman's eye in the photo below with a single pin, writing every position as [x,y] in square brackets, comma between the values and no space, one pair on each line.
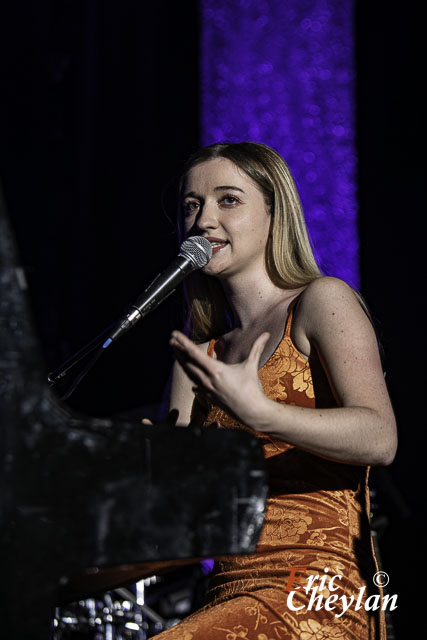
[235,200]
[190,207]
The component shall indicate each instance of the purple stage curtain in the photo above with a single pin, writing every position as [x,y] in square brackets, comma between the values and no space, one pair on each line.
[282,72]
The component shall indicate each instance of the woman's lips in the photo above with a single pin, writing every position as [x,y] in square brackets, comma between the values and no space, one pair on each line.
[217,244]
[218,247]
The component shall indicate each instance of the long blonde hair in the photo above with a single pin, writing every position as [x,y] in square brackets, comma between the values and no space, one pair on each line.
[289,255]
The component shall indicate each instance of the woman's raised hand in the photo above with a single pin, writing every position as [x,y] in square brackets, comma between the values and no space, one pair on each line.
[237,387]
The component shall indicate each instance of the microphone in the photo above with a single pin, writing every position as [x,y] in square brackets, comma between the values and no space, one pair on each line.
[195,253]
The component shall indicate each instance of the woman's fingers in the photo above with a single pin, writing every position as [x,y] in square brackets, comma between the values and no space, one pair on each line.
[146,421]
[186,348]
[201,392]
[193,370]
[202,369]
[258,347]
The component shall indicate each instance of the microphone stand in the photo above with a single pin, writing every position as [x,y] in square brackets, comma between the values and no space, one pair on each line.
[58,375]
[195,252]
[112,333]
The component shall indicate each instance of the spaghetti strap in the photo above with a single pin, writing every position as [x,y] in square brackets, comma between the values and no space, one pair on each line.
[307,494]
[211,347]
[287,333]
[292,306]
[288,324]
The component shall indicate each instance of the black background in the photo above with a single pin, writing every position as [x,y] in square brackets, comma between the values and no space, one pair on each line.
[100,108]
[392,169]
[101,111]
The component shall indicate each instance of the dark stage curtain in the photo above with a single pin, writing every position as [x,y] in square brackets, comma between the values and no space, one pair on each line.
[392,169]
[100,110]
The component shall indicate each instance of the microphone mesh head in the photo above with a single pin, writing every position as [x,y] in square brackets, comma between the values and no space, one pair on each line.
[197,250]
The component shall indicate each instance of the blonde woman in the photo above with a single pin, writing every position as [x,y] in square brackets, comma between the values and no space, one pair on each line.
[292,356]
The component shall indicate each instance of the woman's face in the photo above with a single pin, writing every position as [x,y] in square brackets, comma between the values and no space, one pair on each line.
[221,203]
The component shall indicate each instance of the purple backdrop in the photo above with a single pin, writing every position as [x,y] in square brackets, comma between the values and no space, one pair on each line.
[281,72]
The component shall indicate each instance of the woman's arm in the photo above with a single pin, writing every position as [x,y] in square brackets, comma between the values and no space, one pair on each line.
[182,394]
[361,430]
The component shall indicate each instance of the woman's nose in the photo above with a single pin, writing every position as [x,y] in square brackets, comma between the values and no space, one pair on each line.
[207,218]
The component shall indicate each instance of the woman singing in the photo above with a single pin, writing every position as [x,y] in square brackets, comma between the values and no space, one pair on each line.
[290,355]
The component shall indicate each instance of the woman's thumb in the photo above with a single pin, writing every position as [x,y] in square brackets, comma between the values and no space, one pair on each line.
[258,347]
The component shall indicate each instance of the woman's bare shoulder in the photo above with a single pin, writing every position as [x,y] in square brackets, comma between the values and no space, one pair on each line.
[326,292]
[326,285]
[330,314]
[324,300]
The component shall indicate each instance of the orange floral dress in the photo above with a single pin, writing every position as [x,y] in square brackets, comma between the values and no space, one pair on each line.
[316,524]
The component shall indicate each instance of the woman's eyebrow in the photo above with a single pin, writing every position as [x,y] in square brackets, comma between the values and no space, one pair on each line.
[229,187]
[193,194]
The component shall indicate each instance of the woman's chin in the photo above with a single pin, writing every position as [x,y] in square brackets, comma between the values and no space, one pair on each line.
[210,271]
[214,269]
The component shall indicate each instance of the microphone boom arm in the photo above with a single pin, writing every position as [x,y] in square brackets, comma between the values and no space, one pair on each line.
[195,252]
[153,295]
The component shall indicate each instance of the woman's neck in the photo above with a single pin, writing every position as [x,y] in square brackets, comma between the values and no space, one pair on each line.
[250,296]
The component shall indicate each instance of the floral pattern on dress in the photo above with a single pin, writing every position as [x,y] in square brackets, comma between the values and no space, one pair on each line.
[319,519]
[290,525]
